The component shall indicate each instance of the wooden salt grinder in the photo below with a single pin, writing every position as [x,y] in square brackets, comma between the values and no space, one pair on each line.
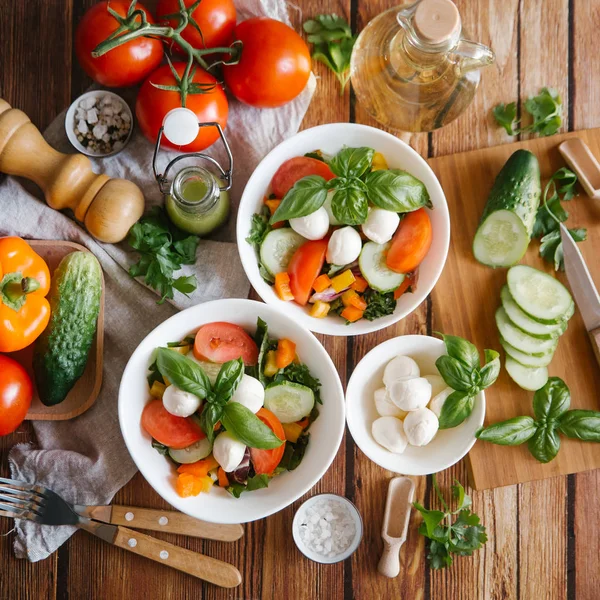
[108,207]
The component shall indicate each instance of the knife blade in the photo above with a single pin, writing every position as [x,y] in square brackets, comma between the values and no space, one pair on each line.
[581,282]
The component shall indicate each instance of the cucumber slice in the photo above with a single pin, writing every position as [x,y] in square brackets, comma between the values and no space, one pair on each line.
[527,360]
[289,402]
[526,323]
[372,265]
[210,368]
[193,453]
[542,297]
[528,378]
[501,239]
[521,341]
[278,248]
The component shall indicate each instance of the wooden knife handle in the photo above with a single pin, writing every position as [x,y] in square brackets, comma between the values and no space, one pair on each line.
[174,522]
[209,569]
[595,339]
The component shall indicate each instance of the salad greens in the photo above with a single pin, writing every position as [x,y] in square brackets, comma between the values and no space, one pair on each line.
[379,304]
[462,371]
[461,537]
[552,415]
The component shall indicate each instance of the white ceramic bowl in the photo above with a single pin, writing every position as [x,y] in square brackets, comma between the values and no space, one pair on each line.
[330,139]
[448,446]
[218,505]
[70,123]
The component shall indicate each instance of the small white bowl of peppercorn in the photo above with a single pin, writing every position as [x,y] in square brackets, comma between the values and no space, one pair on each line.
[99,123]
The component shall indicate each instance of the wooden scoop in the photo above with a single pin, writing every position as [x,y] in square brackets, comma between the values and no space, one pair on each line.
[395,524]
[108,207]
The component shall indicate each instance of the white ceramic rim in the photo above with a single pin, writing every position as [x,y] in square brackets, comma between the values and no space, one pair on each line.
[314,556]
[387,462]
[335,431]
[70,123]
[329,326]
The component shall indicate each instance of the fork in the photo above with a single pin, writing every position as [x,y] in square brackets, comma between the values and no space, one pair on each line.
[36,503]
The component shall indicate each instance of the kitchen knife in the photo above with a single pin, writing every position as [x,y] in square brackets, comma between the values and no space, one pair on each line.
[583,288]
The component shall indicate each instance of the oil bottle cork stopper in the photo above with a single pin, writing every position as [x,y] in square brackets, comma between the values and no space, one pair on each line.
[436,21]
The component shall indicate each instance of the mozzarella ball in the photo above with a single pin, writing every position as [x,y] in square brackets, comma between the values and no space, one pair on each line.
[249,393]
[420,427]
[384,405]
[401,367]
[389,433]
[327,206]
[180,403]
[228,451]
[344,246]
[411,394]
[438,384]
[438,401]
[314,226]
[380,225]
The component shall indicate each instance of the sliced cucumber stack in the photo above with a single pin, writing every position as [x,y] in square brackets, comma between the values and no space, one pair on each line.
[374,269]
[528,378]
[522,341]
[289,401]
[527,360]
[277,249]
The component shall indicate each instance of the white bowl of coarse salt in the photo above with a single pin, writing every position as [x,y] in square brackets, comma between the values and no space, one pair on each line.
[327,528]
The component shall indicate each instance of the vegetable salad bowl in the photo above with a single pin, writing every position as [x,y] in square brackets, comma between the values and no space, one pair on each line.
[330,139]
[218,505]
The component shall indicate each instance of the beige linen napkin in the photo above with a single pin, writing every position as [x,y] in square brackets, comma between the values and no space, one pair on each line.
[85,459]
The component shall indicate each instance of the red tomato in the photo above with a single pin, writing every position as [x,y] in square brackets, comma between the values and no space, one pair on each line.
[215,18]
[122,66]
[304,268]
[16,392]
[167,429]
[266,461]
[411,242]
[274,67]
[296,168]
[220,342]
[153,104]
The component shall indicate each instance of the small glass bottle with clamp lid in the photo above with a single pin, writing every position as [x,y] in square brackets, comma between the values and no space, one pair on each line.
[196,199]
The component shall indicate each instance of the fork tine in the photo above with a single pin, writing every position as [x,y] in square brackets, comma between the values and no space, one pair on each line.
[30,497]
[17,513]
[25,487]
[21,504]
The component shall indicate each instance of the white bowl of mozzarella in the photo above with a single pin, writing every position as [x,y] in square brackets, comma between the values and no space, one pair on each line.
[397,375]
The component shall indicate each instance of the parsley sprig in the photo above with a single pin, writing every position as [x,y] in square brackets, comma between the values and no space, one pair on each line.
[545,110]
[552,213]
[461,537]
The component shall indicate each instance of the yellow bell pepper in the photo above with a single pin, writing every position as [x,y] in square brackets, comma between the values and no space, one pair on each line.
[320,309]
[343,281]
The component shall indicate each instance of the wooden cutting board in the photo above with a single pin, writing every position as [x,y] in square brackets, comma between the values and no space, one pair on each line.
[467,295]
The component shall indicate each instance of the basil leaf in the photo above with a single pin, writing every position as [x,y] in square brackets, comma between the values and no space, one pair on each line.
[490,372]
[306,196]
[508,433]
[261,338]
[551,401]
[352,162]
[462,350]
[211,413]
[350,205]
[457,407]
[545,443]
[396,190]
[228,379]
[431,518]
[462,499]
[454,373]
[581,424]
[183,372]
[244,425]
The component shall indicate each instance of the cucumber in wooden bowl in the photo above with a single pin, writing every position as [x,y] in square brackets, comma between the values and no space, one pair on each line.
[507,222]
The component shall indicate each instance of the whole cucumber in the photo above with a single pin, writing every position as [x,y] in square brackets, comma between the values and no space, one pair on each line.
[61,352]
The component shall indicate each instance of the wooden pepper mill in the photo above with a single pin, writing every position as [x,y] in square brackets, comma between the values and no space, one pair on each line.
[108,207]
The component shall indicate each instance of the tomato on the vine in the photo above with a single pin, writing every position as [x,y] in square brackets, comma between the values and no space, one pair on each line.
[215,19]
[274,66]
[16,391]
[153,104]
[122,66]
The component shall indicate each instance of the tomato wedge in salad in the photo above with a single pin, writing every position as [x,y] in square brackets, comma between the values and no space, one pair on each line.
[304,267]
[221,342]
[266,461]
[167,429]
[411,242]
[295,169]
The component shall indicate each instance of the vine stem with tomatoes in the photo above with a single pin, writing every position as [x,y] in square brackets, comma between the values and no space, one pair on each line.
[131,28]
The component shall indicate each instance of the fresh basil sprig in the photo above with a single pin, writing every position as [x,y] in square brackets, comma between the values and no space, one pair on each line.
[396,190]
[183,372]
[305,197]
[245,426]
[552,415]
[461,370]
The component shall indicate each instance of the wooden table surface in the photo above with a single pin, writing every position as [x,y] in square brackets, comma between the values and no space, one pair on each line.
[544,537]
